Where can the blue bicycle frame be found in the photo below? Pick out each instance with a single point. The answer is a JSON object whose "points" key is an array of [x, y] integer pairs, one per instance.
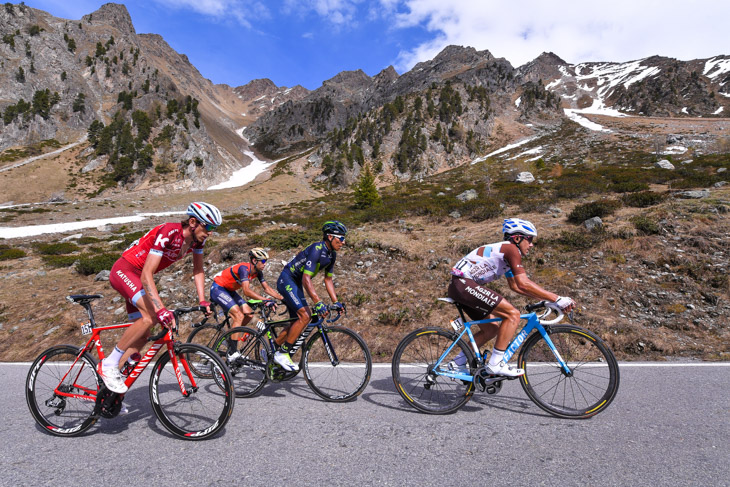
{"points": [[532, 324]]}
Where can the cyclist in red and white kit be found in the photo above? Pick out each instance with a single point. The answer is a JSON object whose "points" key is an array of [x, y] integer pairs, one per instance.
{"points": [[132, 276], [484, 265]]}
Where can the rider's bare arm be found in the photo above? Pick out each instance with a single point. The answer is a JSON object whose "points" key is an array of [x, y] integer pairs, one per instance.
{"points": [[271, 291], [522, 284], [309, 287], [330, 286]]}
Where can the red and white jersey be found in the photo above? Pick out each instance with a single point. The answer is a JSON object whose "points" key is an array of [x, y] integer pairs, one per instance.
{"points": [[165, 240], [489, 262]]}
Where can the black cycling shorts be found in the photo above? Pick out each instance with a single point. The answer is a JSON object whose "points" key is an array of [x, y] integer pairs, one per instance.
{"points": [[477, 300]]}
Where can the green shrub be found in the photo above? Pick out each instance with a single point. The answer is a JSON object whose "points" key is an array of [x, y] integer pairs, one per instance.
{"points": [[581, 239], [642, 199], [59, 260], [282, 239], [93, 264], [57, 248], [598, 208], [645, 225], [9, 253], [629, 187], [576, 185]]}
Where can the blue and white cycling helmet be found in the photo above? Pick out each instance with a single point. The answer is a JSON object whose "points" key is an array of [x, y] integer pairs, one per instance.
{"points": [[205, 213], [517, 226]]}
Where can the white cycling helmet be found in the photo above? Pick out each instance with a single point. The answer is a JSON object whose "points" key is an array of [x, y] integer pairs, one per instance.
{"points": [[512, 226], [205, 213]]}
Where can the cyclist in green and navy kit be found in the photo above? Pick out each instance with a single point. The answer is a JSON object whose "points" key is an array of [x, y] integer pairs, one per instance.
{"points": [[297, 277]]}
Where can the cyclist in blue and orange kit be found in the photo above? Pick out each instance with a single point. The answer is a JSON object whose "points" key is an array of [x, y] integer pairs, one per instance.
{"points": [[228, 281], [297, 277]]}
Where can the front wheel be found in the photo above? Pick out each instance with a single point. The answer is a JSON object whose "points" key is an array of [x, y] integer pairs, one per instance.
{"points": [[190, 406], [61, 390], [337, 364], [591, 384], [248, 368], [207, 336], [416, 371]]}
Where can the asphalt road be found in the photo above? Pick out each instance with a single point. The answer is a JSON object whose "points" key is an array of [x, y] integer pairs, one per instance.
{"points": [[669, 425]]}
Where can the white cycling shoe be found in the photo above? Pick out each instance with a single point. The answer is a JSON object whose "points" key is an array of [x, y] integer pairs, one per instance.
{"points": [[233, 356], [285, 361], [504, 370], [112, 377]]}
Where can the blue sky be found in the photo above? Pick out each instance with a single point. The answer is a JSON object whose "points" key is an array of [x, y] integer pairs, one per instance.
{"points": [[309, 41]]}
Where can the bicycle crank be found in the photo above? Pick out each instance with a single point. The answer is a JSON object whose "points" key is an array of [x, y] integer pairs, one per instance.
{"points": [[486, 382], [108, 403]]}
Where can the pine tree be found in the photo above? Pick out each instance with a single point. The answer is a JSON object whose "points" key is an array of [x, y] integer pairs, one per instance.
{"points": [[366, 193]]}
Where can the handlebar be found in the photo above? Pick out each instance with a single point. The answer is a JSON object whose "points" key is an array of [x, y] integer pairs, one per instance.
{"points": [[177, 313], [550, 308]]}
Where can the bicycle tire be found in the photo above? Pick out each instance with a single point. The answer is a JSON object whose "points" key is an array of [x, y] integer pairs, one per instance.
{"points": [[248, 372], [348, 378], [594, 378], [207, 336], [413, 376], [55, 369], [205, 408]]}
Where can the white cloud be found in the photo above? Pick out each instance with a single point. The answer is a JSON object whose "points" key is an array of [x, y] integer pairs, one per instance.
{"points": [[244, 12], [340, 13], [577, 31]]}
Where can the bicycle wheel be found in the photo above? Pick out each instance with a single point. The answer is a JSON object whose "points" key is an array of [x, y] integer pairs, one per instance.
{"points": [[344, 379], [592, 383], [206, 403], [248, 372], [206, 336], [413, 371], [61, 390]]}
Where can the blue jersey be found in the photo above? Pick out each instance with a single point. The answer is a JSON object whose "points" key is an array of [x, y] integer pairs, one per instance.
{"points": [[310, 261]]}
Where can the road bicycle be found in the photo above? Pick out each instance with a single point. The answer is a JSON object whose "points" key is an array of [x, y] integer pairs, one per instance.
{"points": [[208, 334], [336, 361], [66, 396], [569, 371]]}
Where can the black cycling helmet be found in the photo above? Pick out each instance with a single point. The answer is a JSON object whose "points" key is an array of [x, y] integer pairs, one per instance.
{"points": [[334, 228]]}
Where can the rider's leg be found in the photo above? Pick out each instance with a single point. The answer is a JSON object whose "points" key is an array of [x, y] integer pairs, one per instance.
{"points": [[135, 337], [510, 319], [292, 332]]}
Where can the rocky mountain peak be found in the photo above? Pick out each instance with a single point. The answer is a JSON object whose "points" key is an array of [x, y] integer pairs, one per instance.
{"points": [[113, 14], [544, 67], [350, 80], [255, 88], [388, 75]]}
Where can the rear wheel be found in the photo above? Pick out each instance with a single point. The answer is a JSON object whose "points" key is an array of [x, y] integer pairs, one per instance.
{"points": [[203, 405], [416, 376], [341, 373], [593, 380], [248, 371], [61, 390]]}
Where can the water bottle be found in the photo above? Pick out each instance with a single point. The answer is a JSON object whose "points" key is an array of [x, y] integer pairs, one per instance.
{"points": [[131, 363]]}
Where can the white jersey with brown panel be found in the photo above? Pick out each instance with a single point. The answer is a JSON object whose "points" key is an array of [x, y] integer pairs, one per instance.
{"points": [[490, 262]]}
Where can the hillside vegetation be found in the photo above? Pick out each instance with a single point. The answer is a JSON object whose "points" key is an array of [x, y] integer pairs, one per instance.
{"points": [[652, 281]]}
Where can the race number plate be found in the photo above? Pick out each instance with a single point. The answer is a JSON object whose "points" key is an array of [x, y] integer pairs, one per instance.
{"points": [[86, 329]]}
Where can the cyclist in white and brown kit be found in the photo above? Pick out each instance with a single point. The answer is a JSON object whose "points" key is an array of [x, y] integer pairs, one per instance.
{"points": [[484, 265]]}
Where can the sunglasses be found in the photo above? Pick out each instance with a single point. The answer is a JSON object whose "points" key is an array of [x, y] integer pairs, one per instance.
{"points": [[208, 227], [528, 238], [263, 261], [341, 238]]}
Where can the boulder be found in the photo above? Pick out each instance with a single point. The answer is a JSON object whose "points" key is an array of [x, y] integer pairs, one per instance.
{"points": [[102, 276], [693, 195], [592, 223], [664, 164], [467, 195], [525, 177]]}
